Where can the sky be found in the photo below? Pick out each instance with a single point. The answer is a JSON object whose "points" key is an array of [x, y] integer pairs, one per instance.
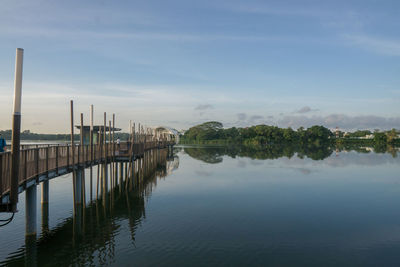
{"points": [[178, 63]]}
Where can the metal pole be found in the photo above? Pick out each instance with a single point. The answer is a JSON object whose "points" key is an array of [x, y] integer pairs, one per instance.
{"points": [[16, 128]]}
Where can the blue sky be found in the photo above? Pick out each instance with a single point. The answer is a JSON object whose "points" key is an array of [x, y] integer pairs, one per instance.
{"points": [[179, 63]]}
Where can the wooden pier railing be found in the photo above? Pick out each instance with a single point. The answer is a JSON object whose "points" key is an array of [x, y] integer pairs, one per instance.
{"points": [[41, 160]]}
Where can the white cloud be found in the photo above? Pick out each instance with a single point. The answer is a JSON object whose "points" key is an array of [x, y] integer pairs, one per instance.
{"points": [[342, 121], [305, 109], [378, 45]]}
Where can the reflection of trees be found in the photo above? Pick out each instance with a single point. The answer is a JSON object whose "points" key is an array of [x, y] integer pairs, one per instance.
{"points": [[214, 154], [316, 152], [376, 147], [91, 238]]}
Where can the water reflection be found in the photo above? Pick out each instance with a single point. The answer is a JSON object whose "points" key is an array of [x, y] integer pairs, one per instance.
{"points": [[214, 154], [89, 238]]}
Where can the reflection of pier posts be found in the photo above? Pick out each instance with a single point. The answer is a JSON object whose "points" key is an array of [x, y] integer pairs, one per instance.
{"points": [[78, 186], [105, 185], [105, 179], [30, 251], [77, 223], [133, 175], [126, 170], [45, 206], [45, 217], [30, 210], [121, 175]]}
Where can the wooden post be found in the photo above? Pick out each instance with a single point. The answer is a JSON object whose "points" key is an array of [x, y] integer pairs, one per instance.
{"points": [[57, 152], [83, 189], [25, 164], [91, 151], [79, 155], [81, 136], [73, 154], [37, 163], [104, 138], [67, 156], [111, 159], [16, 128], [47, 161], [130, 134], [104, 169], [113, 144]]}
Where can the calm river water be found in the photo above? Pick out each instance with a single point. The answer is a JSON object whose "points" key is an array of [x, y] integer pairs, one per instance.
{"points": [[228, 207]]}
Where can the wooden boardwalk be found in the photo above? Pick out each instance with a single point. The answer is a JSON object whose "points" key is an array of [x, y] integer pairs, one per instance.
{"points": [[42, 162]]}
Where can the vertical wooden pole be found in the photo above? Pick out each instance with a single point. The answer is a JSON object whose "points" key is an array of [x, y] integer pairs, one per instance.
{"points": [[68, 157], [110, 151], [16, 128], [47, 161], [26, 153], [83, 193], [104, 169], [91, 151], [57, 152], [37, 163], [104, 138], [139, 141], [73, 154], [130, 134], [113, 144], [133, 138]]}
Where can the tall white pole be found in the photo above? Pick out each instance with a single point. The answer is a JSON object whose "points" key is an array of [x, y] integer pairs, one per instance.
{"points": [[91, 117], [18, 81], [16, 129]]}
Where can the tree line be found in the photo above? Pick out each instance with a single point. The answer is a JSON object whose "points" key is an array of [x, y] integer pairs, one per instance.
{"points": [[213, 133]]}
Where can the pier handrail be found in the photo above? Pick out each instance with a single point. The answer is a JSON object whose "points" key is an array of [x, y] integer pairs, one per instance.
{"points": [[43, 159]]}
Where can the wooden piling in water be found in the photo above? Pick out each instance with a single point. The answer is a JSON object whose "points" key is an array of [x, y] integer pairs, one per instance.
{"points": [[91, 151], [104, 169], [110, 151], [73, 154], [83, 190]]}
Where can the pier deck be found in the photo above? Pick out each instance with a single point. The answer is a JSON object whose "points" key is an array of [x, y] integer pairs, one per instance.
{"points": [[39, 163]]}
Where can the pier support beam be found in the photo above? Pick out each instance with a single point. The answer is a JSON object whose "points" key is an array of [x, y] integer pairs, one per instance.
{"points": [[30, 210]]}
